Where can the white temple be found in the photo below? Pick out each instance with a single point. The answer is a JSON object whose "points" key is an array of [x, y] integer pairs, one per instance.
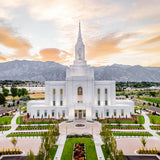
{"points": [[80, 96]]}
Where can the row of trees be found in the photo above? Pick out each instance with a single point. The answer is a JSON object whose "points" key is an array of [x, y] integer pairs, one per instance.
{"points": [[110, 144], [14, 92]]}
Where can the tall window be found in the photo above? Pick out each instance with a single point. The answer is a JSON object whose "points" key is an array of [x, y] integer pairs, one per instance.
{"points": [[52, 113], [115, 113], [106, 100], [122, 112], [54, 97], [96, 113], [38, 113], [98, 96], [45, 113], [63, 113], [107, 113], [61, 97], [80, 95]]}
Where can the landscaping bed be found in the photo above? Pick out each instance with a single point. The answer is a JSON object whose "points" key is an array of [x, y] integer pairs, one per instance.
{"points": [[5, 128], [79, 151], [32, 127], [89, 145], [8, 151], [25, 134], [148, 151], [131, 134], [126, 127], [155, 127], [20, 120], [80, 136]]}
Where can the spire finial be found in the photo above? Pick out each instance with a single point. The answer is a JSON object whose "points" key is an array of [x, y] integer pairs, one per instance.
{"points": [[79, 34]]}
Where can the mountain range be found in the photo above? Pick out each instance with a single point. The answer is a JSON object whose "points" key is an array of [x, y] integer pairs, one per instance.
{"points": [[52, 71]]}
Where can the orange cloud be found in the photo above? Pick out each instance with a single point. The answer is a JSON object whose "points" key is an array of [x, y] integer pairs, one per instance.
{"points": [[106, 46], [54, 54], [3, 58], [10, 40]]}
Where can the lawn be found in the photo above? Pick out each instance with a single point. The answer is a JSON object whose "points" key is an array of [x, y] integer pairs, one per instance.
{"points": [[5, 120], [19, 120], [153, 100], [141, 120], [54, 151], [25, 134], [132, 134], [68, 148], [154, 119], [104, 152]]}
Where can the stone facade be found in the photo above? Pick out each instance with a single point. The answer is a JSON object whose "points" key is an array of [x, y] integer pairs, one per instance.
{"points": [[80, 97]]}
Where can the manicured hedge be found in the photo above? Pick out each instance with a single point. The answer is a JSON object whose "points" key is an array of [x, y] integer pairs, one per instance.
{"points": [[80, 136], [32, 127], [125, 127], [132, 134], [5, 128]]}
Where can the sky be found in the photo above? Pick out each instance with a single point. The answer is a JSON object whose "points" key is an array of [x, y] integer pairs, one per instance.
{"points": [[114, 31]]}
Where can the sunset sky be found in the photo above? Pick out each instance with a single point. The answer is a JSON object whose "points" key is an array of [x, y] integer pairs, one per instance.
{"points": [[114, 31]]}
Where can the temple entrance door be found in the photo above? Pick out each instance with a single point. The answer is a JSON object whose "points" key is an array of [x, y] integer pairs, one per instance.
{"points": [[80, 114]]}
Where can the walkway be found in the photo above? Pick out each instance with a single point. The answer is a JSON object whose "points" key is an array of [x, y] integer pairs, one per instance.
{"points": [[147, 125], [13, 127]]}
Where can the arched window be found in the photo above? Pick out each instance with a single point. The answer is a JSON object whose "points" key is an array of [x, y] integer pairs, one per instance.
{"points": [[80, 95], [80, 91]]}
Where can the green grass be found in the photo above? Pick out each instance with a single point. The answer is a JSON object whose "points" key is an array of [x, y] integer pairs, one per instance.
{"points": [[123, 122], [126, 127], [5, 128], [19, 120], [104, 152], [158, 133], [141, 120], [154, 119], [31, 127], [25, 134], [153, 100], [5, 120], [54, 151], [155, 127], [131, 134], [89, 144]]}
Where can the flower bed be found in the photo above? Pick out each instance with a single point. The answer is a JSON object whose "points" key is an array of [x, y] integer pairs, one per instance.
{"points": [[132, 134], [6, 128], [155, 127], [32, 127], [80, 136], [79, 125], [9, 151], [148, 150], [79, 151]]}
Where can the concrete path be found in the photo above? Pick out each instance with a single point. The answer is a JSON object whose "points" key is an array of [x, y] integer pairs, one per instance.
{"points": [[13, 127], [147, 125], [60, 143], [98, 142]]}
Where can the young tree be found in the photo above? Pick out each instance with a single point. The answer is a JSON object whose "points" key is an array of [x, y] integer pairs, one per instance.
{"points": [[143, 140], [19, 92], [48, 140], [14, 142], [2, 99], [30, 156], [5, 92], [24, 91]]}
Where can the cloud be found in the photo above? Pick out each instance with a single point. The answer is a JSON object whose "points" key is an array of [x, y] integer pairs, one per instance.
{"points": [[106, 46], [9, 38], [54, 54], [2, 58]]}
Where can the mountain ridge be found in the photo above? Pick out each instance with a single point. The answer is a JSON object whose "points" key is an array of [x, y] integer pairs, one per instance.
{"points": [[52, 71]]}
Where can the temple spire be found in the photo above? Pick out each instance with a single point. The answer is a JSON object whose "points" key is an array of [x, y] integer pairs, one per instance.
{"points": [[79, 33]]}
